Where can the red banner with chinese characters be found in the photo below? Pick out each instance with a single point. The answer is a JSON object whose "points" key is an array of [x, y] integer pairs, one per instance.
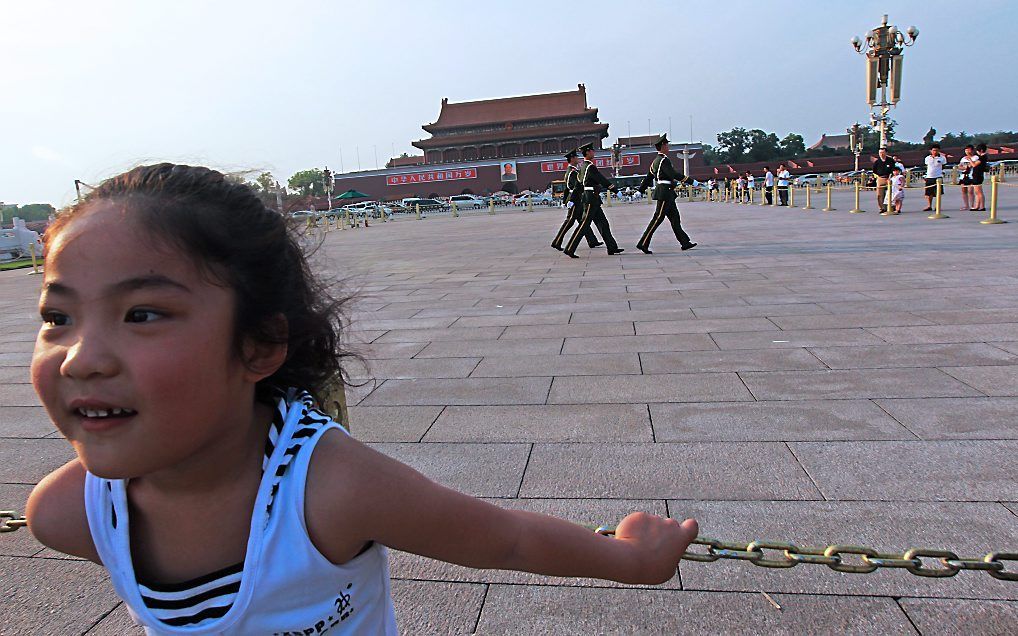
{"points": [[600, 162], [431, 176]]}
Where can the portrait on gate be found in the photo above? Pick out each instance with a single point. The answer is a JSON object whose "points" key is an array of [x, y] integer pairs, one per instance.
{"points": [[508, 169]]}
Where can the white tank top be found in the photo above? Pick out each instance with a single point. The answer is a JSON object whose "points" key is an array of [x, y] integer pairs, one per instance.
{"points": [[285, 585]]}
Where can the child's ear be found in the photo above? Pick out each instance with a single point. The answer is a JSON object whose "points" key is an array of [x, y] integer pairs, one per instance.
{"points": [[263, 358]]}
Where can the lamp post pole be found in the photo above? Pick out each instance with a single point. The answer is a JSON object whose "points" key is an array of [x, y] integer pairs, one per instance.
{"points": [[883, 47]]}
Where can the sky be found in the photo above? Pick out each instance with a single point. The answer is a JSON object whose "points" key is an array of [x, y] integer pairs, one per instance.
{"points": [[90, 89]]}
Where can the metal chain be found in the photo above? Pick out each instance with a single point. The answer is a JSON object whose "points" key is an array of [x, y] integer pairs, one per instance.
{"points": [[946, 563], [15, 522]]}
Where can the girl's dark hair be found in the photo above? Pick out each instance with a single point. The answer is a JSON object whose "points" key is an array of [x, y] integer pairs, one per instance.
{"points": [[232, 236]]}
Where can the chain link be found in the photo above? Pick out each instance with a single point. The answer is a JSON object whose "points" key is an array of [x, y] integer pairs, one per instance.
{"points": [[945, 563], [11, 521]]}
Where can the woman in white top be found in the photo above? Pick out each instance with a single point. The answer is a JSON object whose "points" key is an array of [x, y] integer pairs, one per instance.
{"points": [[783, 177]]}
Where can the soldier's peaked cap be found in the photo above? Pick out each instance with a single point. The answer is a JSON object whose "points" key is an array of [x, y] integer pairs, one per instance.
{"points": [[585, 147], [570, 154], [663, 139]]}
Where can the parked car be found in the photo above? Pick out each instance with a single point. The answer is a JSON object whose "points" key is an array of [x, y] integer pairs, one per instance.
{"points": [[536, 199], [467, 202], [425, 204], [850, 176], [813, 179]]}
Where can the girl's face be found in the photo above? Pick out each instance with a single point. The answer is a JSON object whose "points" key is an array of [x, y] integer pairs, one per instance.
{"points": [[134, 359]]}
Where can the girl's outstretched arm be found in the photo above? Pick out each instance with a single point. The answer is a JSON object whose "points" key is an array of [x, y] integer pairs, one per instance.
{"points": [[356, 494]]}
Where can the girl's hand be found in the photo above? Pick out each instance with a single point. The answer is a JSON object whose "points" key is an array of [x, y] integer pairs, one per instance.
{"points": [[657, 544]]}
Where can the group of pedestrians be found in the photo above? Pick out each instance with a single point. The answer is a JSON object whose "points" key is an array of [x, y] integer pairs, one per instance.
{"points": [[971, 172], [746, 183], [584, 184]]}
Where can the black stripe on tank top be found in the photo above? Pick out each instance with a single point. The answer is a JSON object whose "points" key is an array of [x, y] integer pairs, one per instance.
{"points": [[191, 601], [205, 614], [193, 583]]}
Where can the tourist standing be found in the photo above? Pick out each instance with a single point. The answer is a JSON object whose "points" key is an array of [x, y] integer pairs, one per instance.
{"points": [[769, 185], [965, 177], [883, 166], [665, 178], [978, 174], [592, 183], [897, 190], [572, 197], [934, 170], [750, 185], [783, 176]]}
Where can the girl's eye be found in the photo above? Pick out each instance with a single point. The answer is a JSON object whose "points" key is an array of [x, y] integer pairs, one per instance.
{"points": [[55, 319], [142, 315]]}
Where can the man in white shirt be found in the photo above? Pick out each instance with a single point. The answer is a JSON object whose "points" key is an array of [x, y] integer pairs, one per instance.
{"points": [[750, 183], [768, 185], [934, 170], [783, 177]]}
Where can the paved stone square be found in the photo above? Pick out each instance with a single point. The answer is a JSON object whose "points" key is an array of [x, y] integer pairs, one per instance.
{"points": [[804, 376]]}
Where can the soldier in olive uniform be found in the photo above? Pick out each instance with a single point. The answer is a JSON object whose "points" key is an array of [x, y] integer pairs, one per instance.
{"points": [[592, 183], [665, 178], [571, 199]]}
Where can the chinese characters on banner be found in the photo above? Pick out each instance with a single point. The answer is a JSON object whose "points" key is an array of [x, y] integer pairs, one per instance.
{"points": [[600, 162], [433, 175]]}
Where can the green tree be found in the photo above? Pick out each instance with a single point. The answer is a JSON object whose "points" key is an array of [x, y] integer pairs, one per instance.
{"points": [[265, 183], [762, 146], [792, 145], [733, 144], [305, 182], [30, 212]]}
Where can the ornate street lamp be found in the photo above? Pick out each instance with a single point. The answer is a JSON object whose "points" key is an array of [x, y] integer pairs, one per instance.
{"points": [[883, 48]]}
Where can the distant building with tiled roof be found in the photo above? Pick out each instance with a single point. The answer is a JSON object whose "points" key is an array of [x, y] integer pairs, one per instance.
{"points": [[831, 141], [510, 127]]}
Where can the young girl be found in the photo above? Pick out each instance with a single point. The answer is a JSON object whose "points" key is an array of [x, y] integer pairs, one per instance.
{"points": [[183, 349], [897, 193]]}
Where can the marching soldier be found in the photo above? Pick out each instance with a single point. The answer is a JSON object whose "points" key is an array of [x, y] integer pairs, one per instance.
{"points": [[666, 178], [571, 198], [592, 183]]}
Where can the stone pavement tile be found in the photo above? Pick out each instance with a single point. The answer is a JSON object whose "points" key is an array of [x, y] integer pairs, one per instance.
{"points": [[505, 321], [525, 332], [691, 300], [390, 351], [1012, 506], [957, 418], [363, 337], [1000, 380], [18, 346], [480, 470], [774, 421], [970, 530], [731, 360], [784, 298], [53, 596], [515, 609], [25, 421], [633, 344], [1010, 347], [762, 311], [843, 321], [997, 332], [854, 383], [466, 391], [505, 310], [418, 368], [18, 395], [762, 470], [391, 423], [20, 543], [969, 316], [117, 623], [15, 375], [683, 313], [956, 470], [556, 365], [666, 387], [404, 323], [437, 607], [485, 348], [798, 338], [455, 334], [962, 617], [26, 461], [574, 307], [706, 325], [590, 512], [546, 423], [929, 355]]}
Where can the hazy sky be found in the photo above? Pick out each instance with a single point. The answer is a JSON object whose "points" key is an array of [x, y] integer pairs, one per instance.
{"points": [[92, 88]]}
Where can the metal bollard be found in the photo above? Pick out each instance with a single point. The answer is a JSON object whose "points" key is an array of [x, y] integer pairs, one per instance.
{"points": [[418, 210], [791, 195], [455, 212], [829, 208], [809, 205], [993, 220], [607, 200], [774, 194], [491, 206], [890, 201], [856, 209], [35, 263], [936, 209], [530, 202]]}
